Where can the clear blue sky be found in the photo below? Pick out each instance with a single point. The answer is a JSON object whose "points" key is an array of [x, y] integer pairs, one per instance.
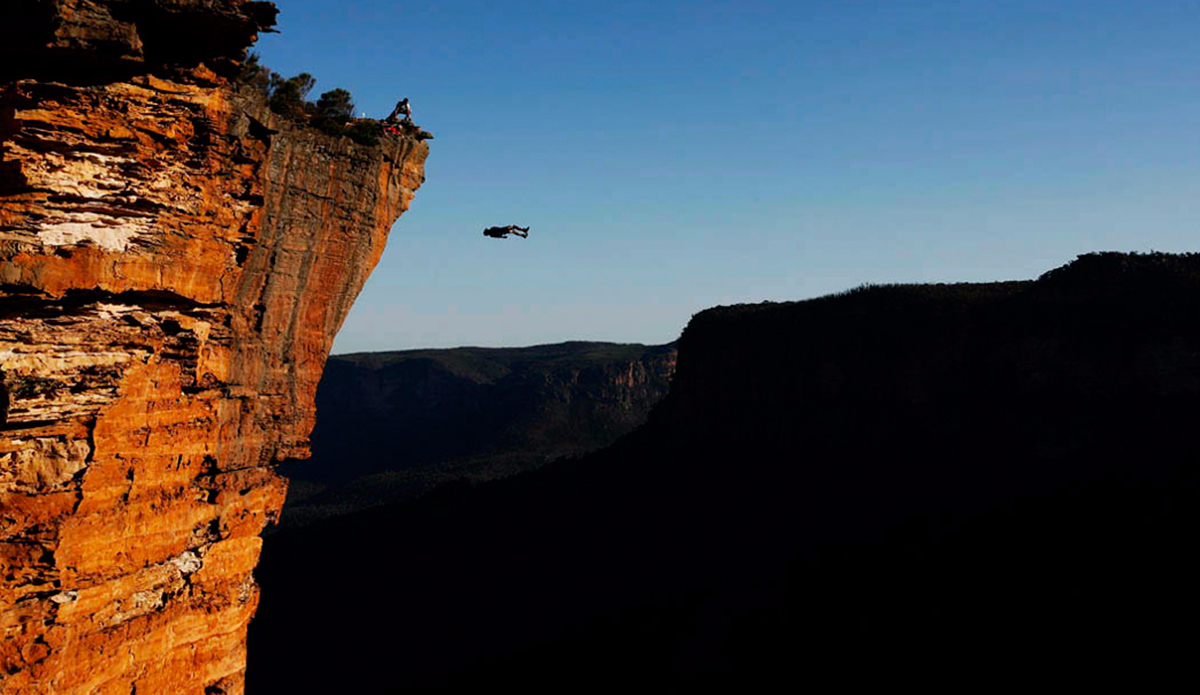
{"points": [[672, 156]]}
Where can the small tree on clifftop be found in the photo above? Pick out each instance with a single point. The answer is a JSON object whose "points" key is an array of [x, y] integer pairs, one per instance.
{"points": [[336, 105], [287, 96]]}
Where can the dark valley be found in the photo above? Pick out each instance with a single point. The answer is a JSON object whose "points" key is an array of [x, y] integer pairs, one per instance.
{"points": [[937, 482]]}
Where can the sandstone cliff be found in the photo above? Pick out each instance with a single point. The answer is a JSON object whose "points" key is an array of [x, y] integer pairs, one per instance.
{"points": [[174, 264]]}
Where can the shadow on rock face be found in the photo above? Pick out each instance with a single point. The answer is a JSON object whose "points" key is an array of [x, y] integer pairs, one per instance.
{"points": [[107, 40]]}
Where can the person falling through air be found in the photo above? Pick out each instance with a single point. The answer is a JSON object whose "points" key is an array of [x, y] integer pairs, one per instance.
{"points": [[503, 232]]}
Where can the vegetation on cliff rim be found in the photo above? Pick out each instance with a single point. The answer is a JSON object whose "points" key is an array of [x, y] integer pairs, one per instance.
{"points": [[332, 113]]}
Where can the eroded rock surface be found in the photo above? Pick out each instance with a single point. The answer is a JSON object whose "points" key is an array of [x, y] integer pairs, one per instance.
{"points": [[174, 264]]}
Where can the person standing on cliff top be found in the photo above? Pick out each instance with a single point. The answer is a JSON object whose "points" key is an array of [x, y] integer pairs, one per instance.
{"points": [[402, 108]]}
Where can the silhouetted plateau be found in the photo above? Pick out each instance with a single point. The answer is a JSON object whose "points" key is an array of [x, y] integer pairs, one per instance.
{"points": [[936, 485]]}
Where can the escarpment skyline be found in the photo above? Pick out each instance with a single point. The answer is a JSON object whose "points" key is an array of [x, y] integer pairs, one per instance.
{"points": [[174, 263]]}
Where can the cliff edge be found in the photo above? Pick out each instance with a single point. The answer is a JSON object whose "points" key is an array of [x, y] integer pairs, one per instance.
{"points": [[175, 261]]}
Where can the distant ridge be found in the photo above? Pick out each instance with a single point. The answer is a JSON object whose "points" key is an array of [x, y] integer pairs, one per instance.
{"points": [[392, 425]]}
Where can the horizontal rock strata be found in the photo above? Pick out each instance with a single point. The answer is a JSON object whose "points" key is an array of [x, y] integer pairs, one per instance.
{"points": [[174, 264]]}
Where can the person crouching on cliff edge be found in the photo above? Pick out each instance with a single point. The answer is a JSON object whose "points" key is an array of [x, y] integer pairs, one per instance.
{"points": [[403, 108]]}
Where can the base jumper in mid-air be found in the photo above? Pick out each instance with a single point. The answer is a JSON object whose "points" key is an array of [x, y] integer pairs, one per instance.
{"points": [[503, 232]]}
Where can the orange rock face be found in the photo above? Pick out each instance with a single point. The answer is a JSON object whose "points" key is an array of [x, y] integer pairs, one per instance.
{"points": [[174, 264]]}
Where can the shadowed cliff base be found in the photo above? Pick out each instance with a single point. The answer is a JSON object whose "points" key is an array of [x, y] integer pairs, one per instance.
{"points": [[894, 483]]}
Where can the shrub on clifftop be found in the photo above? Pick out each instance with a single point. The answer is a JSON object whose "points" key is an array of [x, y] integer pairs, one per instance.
{"points": [[336, 104], [288, 96], [332, 114]]}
